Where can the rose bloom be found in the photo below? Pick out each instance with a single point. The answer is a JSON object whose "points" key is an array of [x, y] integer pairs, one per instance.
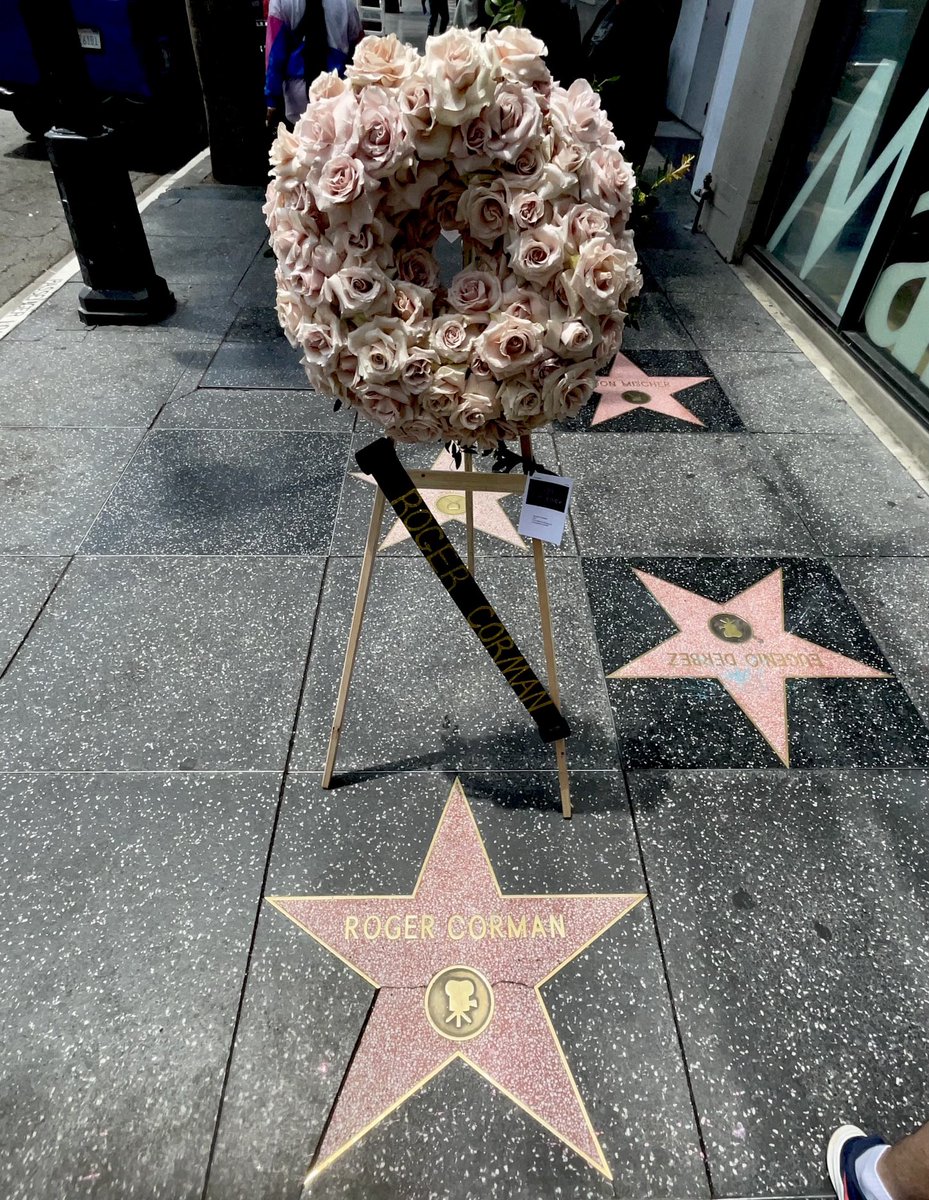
{"points": [[526, 170], [444, 396], [598, 278], [483, 210], [526, 303], [516, 55], [452, 338], [537, 254], [510, 344], [359, 289], [418, 266], [380, 347], [520, 401], [386, 404], [417, 372], [459, 68], [515, 120], [419, 428], [527, 209], [319, 339], [417, 111], [327, 128], [412, 304], [540, 371], [381, 141], [384, 61], [474, 292], [409, 187], [569, 155], [442, 202], [611, 335], [291, 312], [607, 181], [564, 392], [341, 180], [285, 163], [470, 145], [327, 85], [581, 222], [471, 414], [571, 336]]}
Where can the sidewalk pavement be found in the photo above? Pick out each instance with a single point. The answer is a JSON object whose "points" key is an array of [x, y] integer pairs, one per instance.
{"points": [[181, 529]]}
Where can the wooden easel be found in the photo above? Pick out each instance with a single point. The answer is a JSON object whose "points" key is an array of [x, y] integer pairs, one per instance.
{"points": [[469, 481]]}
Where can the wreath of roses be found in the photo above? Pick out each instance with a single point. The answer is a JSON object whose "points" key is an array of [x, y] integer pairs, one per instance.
{"points": [[472, 137]]}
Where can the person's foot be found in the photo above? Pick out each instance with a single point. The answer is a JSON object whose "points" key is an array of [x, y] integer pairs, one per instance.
{"points": [[846, 1147]]}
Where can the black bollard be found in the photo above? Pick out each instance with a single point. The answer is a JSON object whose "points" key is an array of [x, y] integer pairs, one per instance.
{"points": [[121, 286]]}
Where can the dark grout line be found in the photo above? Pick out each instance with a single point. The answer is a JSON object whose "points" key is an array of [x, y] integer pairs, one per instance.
{"points": [[35, 619], [285, 774]]}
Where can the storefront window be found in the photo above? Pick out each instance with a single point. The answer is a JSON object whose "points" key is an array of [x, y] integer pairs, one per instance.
{"points": [[861, 107]]}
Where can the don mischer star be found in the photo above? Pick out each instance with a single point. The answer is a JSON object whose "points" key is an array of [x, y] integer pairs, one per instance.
{"points": [[458, 927]]}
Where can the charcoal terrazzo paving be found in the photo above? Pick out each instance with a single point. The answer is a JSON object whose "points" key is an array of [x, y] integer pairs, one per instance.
{"points": [[25, 584], [694, 267], [495, 520], [659, 327], [199, 491], [257, 286], [124, 942], [723, 321], [53, 483], [706, 401], [228, 212], [459, 1136], [793, 917], [425, 693], [233, 408], [649, 493], [777, 392], [88, 379], [892, 594], [694, 723], [853, 495], [256, 365], [207, 270], [162, 664]]}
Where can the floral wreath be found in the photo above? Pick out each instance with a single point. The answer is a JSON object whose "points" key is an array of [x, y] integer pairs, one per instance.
{"points": [[475, 138]]}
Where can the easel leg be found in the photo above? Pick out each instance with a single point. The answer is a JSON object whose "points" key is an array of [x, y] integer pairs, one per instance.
{"points": [[545, 612], [354, 636], [469, 515]]}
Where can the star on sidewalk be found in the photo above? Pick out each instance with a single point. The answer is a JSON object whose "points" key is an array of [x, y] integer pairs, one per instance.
{"points": [[627, 388], [489, 514], [743, 644], [458, 967]]}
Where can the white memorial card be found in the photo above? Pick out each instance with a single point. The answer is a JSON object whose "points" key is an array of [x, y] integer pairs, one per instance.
{"points": [[545, 507]]}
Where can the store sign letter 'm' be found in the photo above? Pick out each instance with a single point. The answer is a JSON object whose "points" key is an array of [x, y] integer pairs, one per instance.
{"points": [[907, 340], [851, 144]]}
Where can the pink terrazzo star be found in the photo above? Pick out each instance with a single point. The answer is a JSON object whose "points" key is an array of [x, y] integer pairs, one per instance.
{"points": [[627, 388], [445, 505], [458, 968], [743, 644]]}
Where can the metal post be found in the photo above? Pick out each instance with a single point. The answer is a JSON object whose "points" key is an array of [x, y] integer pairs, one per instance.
{"points": [[121, 287]]}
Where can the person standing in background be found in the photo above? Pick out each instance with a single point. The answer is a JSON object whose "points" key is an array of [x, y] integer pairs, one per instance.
{"points": [[438, 12], [305, 38]]}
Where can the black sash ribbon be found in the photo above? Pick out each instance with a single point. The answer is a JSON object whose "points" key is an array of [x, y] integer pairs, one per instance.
{"points": [[381, 462]]}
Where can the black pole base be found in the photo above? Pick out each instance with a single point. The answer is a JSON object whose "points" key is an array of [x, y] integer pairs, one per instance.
{"points": [[109, 306]]}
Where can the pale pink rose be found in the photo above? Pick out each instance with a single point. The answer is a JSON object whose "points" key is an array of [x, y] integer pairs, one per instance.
{"points": [[380, 139], [564, 392], [525, 171], [418, 266], [285, 162], [412, 304], [598, 278], [292, 310], [588, 122], [327, 129], [327, 85], [554, 182], [510, 344], [420, 428], [383, 61], [494, 432], [417, 111], [526, 303], [459, 68], [452, 338], [470, 145], [341, 181], [515, 120], [572, 336], [611, 335], [517, 55], [520, 401], [444, 394], [320, 340], [358, 288], [387, 404], [581, 222], [607, 181], [540, 371], [469, 416], [474, 292], [569, 155], [478, 368], [417, 372], [482, 209], [442, 202], [380, 347], [410, 186], [537, 254], [345, 368], [527, 209]]}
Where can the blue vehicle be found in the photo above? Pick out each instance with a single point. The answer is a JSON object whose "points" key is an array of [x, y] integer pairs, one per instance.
{"points": [[139, 58]]}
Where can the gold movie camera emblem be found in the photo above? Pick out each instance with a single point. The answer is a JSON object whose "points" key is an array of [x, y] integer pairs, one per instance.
{"points": [[459, 1003]]}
